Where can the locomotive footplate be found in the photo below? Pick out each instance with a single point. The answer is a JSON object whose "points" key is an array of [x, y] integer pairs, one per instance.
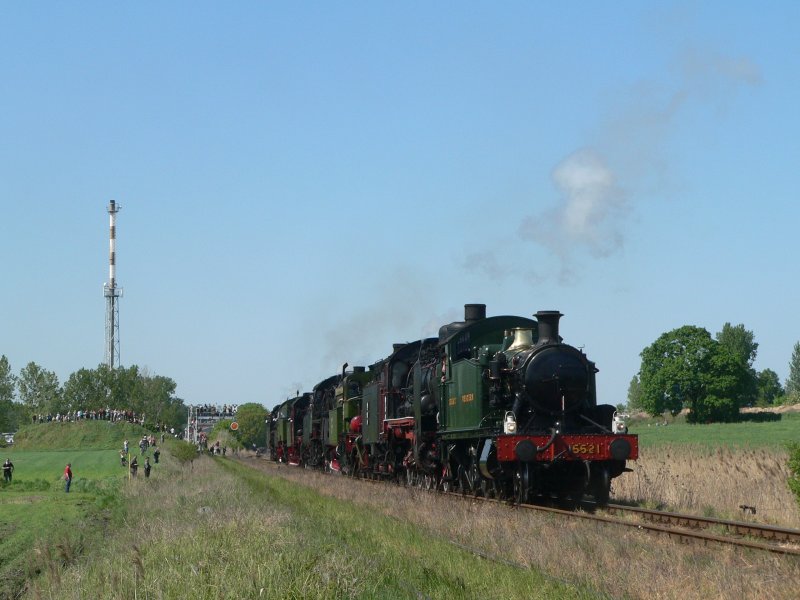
{"points": [[544, 448]]}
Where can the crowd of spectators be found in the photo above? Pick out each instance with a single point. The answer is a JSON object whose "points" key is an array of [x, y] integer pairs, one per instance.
{"points": [[209, 410], [104, 414]]}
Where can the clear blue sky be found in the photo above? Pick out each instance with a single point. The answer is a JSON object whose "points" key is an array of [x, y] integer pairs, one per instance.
{"points": [[303, 184]]}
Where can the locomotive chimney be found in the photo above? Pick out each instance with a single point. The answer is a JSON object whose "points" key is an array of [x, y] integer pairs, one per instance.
{"points": [[548, 326], [474, 312]]}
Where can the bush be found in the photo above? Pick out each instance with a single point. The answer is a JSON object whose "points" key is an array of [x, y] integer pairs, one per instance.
{"points": [[713, 409], [184, 451], [794, 468], [759, 417]]}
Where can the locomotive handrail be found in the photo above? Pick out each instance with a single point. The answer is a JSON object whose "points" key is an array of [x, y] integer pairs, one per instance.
{"points": [[549, 442]]}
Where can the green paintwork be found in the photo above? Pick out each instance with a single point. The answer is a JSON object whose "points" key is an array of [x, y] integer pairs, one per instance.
{"points": [[348, 405], [282, 427], [336, 425], [369, 423], [467, 400], [464, 400]]}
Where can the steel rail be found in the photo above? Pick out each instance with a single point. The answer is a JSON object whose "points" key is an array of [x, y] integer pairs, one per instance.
{"points": [[683, 535], [750, 529]]}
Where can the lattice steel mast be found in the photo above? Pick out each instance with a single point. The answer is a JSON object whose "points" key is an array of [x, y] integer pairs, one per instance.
{"points": [[112, 294]]}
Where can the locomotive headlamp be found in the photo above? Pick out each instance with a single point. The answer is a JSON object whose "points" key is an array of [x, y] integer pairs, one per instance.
{"points": [[510, 423]]}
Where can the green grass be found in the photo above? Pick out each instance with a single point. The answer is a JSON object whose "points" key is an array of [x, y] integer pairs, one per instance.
{"points": [[217, 529], [748, 434], [36, 516], [399, 560], [83, 434], [42, 465]]}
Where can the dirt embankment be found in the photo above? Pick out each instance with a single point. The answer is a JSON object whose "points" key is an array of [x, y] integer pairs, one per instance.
{"points": [[786, 408]]}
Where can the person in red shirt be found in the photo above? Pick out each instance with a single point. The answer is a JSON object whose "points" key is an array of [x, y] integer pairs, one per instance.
{"points": [[67, 477]]}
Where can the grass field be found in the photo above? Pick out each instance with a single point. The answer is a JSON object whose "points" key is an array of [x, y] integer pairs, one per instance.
{"points": [[714, 435], [714, 469], [36, 516], [217, 529]]}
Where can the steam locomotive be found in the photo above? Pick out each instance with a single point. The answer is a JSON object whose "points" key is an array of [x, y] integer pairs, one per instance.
{"points": [[495, 406]]}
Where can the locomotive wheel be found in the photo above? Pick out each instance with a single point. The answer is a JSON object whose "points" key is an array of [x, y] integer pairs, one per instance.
{"points": [[462, 480], [448, 485], [488, 488], [411, 477], [477, 482], [521, 484]]}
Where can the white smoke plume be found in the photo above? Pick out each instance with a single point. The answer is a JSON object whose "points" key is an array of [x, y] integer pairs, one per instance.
{"points": [[591, 205], [601, 184]]}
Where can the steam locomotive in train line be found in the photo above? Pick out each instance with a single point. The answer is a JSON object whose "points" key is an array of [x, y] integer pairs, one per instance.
{"points": [[495, 406]]}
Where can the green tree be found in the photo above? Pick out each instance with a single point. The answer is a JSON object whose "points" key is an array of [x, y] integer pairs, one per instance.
{"points": [[39, 389], [86, 389], [222, 431], [8, 383], [155, 394], [174, 414], [685, 367], [741, 344], [126, 389], [793, 383], [251, 418], [769, 387], [635, 394]]}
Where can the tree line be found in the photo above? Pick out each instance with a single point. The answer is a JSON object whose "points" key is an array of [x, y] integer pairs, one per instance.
{"points": [[713, 377], [36, 391]]}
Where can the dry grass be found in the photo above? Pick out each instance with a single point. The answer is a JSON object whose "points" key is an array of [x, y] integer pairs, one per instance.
{"points": [[216, 530], [205, 532], [716, 482], [623, 564]]}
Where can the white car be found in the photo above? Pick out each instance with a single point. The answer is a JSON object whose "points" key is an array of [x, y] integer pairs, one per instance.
{"points": [[9, 438]]}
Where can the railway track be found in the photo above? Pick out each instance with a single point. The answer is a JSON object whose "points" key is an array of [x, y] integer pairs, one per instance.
{"points": [[681, 527], [684, 528], [760, 531]]}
